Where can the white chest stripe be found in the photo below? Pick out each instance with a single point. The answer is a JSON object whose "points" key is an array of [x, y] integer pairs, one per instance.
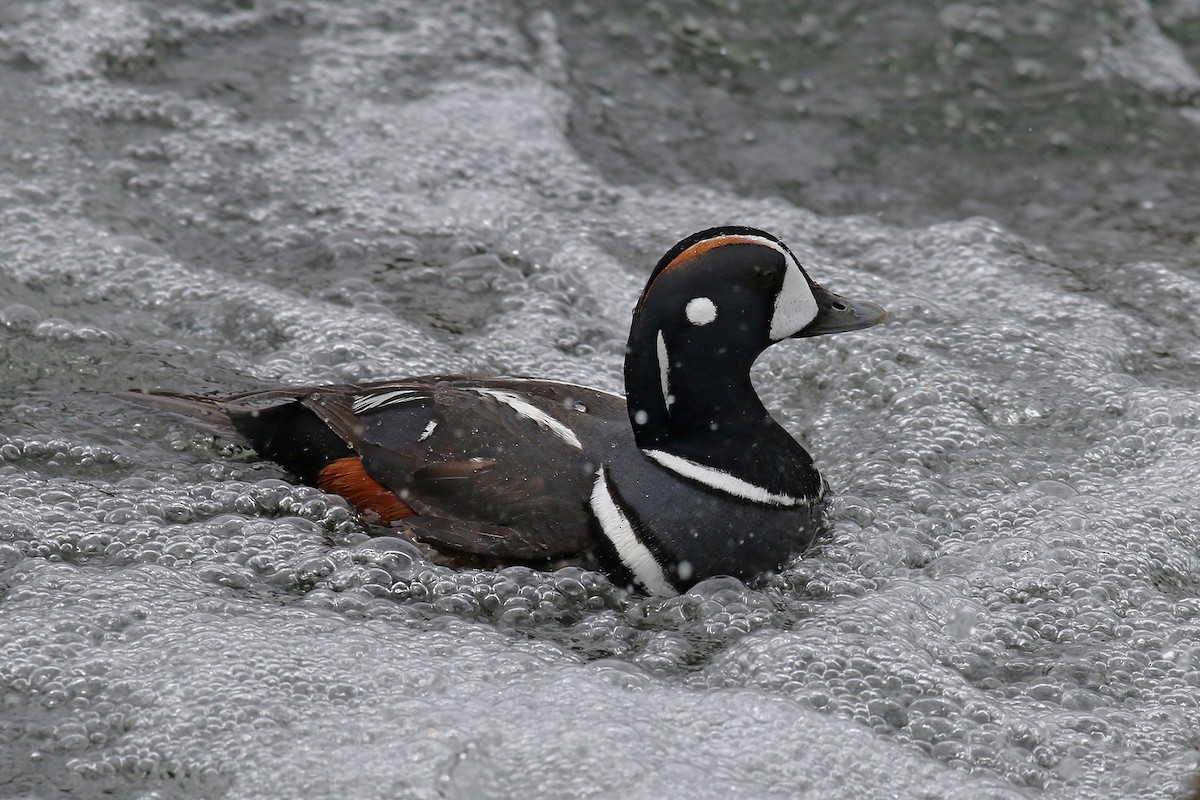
{"points": [[634, 555], [532, 412], [722, 481]]}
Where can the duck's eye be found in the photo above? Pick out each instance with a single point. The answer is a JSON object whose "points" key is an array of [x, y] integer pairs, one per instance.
{"points": [[766, 278]]}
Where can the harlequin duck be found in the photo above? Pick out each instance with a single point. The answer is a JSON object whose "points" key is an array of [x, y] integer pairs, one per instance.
{"points": [[686, 477]]}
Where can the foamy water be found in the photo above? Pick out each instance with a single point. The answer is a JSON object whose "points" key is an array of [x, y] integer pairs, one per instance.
{"points": [[215, 200]]}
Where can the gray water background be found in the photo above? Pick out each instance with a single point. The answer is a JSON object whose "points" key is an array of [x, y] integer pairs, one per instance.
{"points": [[216, 196]]}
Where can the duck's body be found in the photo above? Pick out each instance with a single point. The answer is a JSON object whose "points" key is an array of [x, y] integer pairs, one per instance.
{"points": [[689, 479]]}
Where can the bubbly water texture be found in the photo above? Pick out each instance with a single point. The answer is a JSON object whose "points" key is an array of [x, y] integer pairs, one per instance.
{"points": [[1005, 607]]}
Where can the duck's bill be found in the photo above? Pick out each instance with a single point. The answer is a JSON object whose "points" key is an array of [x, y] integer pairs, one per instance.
{"points": [[836, 314]]}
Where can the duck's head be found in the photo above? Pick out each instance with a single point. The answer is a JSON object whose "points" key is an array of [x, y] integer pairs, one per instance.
{"points": [[713, 303], [751, 279]]}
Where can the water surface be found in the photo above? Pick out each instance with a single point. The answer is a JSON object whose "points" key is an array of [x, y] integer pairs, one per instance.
{"points": [[223, 195]]}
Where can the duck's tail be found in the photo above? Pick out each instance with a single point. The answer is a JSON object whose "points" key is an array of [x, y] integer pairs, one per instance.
{"points": [[201, 413]]}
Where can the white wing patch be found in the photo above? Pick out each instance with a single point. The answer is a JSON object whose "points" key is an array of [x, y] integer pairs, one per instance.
{"points": [[532, 412], [723, 481], [371, 402], [633, 554]]}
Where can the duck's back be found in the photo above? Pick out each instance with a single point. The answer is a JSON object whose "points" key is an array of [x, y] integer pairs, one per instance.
{"points": [[489, 469]]}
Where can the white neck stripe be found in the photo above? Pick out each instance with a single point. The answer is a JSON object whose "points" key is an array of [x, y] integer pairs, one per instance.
{"points": [[532, 412], [722, 481], [633, 554]]}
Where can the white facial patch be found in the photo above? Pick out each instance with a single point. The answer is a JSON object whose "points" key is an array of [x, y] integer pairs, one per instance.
{"points": [[795, 306], [664, 371], [701, 311], [633, 554]]}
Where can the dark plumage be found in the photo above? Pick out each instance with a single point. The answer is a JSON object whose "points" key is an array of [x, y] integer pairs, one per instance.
{"points": [[692, 478]]}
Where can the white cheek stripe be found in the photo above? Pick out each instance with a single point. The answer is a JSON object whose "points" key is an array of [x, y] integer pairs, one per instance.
{"points": [[722, 481], [634, 555], [532, 412], [664, 370], [374, 401]]}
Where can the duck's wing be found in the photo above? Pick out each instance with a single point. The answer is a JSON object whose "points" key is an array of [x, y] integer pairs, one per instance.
{"points": [[498, 468], [488, 466]]}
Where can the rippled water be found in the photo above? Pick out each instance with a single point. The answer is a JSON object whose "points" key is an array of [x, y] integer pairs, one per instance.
{"points": [[221, 195]]}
